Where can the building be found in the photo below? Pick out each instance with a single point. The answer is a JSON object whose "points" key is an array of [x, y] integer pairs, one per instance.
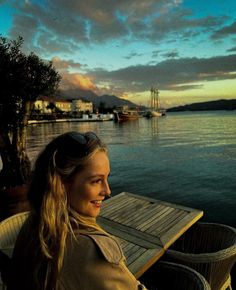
{"points": [[42, 104], [46, 105], [63, 105], [82, 106]]}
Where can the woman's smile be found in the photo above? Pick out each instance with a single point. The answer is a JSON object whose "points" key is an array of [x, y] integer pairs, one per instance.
{"points": [[90, 186]]}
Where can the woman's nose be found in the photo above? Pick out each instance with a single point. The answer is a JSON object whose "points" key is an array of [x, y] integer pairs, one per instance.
{"points": [[106, 188]]}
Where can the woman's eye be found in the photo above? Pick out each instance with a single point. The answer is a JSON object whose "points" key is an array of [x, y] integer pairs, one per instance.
{"points": [[97, 181]]}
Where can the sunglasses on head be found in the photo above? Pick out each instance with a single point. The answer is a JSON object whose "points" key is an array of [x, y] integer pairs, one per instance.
{"points": [[83, 138], [72, 148]]}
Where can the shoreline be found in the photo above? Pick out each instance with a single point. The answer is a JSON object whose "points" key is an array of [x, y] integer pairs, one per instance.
{"points": [[104, 118]]}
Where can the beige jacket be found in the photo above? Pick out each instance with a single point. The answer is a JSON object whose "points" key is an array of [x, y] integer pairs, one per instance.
{"points": [[96, 262], [92, 261]]}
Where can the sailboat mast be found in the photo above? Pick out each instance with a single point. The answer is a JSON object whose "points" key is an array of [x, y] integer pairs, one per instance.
{"points": [[155, 108], [152, 98], [155, 102], [157, 99]]}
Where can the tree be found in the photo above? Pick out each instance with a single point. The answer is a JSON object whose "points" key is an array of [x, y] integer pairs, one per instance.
{"points": [[56, 112], [101, 107], [23, 78]]}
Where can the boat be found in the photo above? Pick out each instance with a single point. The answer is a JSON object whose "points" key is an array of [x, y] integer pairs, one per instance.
{"points": [[125, 114], [155, 110], [152, 113]]}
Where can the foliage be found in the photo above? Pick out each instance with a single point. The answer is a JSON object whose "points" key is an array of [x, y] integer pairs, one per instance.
{"points": [[23, 78], [51, 106], [104, 109]]}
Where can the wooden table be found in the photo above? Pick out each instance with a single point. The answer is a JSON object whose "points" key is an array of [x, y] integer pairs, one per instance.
{"points": [[145, 227]]}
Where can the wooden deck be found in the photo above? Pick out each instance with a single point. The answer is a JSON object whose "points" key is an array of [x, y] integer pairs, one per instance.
{"points": [[145, 227]]}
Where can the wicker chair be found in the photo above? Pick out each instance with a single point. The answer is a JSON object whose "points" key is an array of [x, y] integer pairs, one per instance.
{"points": [[9, 229], [208, 248], [168, 276]]}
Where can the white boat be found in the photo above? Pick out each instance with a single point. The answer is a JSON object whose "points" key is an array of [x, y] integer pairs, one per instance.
{"points": [[155, 110], [156, 114]]}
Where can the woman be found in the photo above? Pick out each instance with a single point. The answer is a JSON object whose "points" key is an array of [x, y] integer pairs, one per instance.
{"points": [[61, 246]]}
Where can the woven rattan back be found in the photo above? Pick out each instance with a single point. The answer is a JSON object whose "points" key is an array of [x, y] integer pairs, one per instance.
{"points": [[167, 276], [9, 229], [210, 249]]}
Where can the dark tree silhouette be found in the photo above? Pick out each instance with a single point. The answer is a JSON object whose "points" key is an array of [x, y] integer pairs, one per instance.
{"points": [[23, 78]]}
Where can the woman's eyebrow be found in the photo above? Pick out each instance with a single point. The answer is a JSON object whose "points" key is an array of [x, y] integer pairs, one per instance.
{"points": [[97, 175]]}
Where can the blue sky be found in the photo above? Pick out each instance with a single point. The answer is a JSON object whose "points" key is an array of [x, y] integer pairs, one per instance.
{"points": [[185, 48]]}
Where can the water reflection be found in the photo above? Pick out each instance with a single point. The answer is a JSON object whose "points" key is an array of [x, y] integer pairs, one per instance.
{"points": [[187, 158]]}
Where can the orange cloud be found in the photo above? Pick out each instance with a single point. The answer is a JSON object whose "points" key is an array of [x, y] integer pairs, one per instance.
{"points": [[64, 65], [77, 80], [125, 96]]}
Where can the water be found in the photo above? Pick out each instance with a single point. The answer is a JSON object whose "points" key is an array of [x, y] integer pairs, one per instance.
{"points": [[185, 158]]}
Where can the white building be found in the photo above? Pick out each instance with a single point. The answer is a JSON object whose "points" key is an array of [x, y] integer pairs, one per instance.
{"points": [[82, 106], [42, 103], [63, 105]]}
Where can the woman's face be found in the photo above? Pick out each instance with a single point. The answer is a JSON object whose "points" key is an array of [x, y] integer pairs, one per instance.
{"points": [[90, 186]]}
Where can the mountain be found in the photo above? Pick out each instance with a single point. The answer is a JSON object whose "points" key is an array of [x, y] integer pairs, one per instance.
{"points": [[111, 101], [108, 101], [72, 94], [206, 106]]}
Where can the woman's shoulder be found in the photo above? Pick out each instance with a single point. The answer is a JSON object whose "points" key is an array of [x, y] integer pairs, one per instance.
{"points": [[109, 247], [100, 244]]}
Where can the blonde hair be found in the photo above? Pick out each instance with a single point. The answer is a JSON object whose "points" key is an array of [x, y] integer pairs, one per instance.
{"points": [[60, 161]]}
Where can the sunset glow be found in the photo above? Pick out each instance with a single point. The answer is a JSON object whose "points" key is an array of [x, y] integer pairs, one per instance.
{"points": [[185, 48]]}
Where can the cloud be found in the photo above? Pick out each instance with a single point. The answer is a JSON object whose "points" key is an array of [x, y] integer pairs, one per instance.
{"points": [[169, 74], [26, 27], [155, 53], [52, 27], [47, 43], [232, 49], [64, 65], [78, 81], [68, 28], [185, 87], [62, 26], [179, 23], [132, 55], [171, 54], [225, 31]]}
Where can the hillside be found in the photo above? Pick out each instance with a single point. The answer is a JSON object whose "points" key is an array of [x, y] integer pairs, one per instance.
{"points": [[206, 106], [109, 101]]}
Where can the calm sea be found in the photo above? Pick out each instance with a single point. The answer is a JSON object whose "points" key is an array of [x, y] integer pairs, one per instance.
{"points": [[186, 158]]}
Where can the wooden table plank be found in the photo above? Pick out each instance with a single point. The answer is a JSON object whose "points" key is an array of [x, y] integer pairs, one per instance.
{"points": [[171, 223], [145, 227], [145, 216], [145, 261], [128, 233], [127, 211], [170, 236], [163, 222], [142, 216], [135, 254], [117, 204], [138, 258]]}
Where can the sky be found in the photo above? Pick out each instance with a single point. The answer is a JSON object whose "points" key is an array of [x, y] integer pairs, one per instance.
{"points": [[185, 48]]}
